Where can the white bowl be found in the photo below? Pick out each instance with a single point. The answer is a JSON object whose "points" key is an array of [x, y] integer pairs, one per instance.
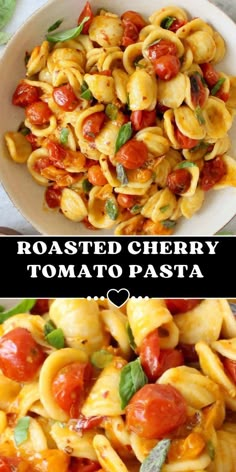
{"points": [[219, 206]]}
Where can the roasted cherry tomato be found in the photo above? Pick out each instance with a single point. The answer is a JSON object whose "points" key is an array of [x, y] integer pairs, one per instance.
{"points": [[25, 95], [222, 95], [149, 353], [40, 307], [92, 125], [210, 75], [53, 196], [38, 113], [199, 93], [179, 180], [212, 172], [87, 11], [32, 140], [230, 368], [125, 201], [167, 67], [10, 464], [156, 410], [20, 355], [96, 176], [56, 153], [83, 465], [130, 35], [70, 385], [168, 358], [132, 154], [41, 164], [184, 141], [176, 25], [135, 18], [65, 97], [85, 424], [162, 48], [142, 119], [181, 305]]}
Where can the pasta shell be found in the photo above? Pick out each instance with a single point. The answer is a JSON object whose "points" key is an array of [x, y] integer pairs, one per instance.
{"points": [[72, 205], [171, 93], [142, 91], [225, 347], [107, 456], [229, 179], [188, 124], [218, 120], [191, 204], [202, 45], [160, 206], [121, 79], [160, 33], [34, 156], [106, 30], [158, 16], [18, 146], [131, 226], [97, 214], [38, 59], [73, 443], [102, 87], [106, 139], [156, 143]]}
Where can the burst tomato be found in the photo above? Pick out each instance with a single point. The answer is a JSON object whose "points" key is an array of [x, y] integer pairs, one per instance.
{"points": [[87, 11], [135, 18], [32, 140], [168, 358], [176, 25], [132, 154], [96, 176], [142, 119], [162, 48], [25, 95], [92, 125], [65, 97], [179, 180], [53, 196], [125, 201], [130, 35], [149, 353], [210, 75], [199, 92], [181, 305], [38, 113], [184, 141], [167, 67], [56, 153], [212, 172]]}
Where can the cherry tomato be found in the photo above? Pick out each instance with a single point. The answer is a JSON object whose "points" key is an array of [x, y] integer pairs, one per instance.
{"points": [[53, 196], [69, 387], [125, 201], [212, 172], [156, 410], [130, 35], [85, 424], [20, 355], [230, 367], [38, 113], [65, 97], [92, 125], [9, 464], [176, 25], [167, 67], [199, 93], [135, 18], [96, 176], [179, 180], [87, 11], [210, 75], [41, 164], [189, 352], [56, 153], [83, 465], [168, 358], [162, 48], [181, 305], [149, 355], [184, 141], [132, 154], [142, 119], [222, 95], [40, 307], [32, 140], [25, 95]]}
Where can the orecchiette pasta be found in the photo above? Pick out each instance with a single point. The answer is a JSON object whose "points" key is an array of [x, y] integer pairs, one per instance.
{"points": [[125, 94]]}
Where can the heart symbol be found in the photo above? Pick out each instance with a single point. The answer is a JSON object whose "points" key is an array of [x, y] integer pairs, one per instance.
{"points": [[118, 297]]}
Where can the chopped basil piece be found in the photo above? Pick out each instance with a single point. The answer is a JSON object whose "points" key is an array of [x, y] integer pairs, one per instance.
{"points": [[136, 62], [211, 450], [4, 37], [121, 174], [199, 115], [86, 186], [23, 129], [125, 133], [156, 458], [101, 359], [184, 164], [6, 11], [21, 430], [23, 307], [168, 223], [131, 338], [49, 327], [200, 145], [217, 86], [111, 111], [55, 25], [164, 208], [64, 135], [68, 34], [167, 22], [85, 93], [111, 208], [136, 209], [132, 378], [56, 338]]}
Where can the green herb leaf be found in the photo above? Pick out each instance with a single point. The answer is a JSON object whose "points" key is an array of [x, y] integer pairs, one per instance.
{"points": [[56, 338], [136, 62], [68, 34], [55, 25], [121, 174], [200, 145], [217, 86], [167, 22], [135, 209], [131, 337], [132, 378], [111, 111], [185, 164], [155, 460], [23, 307], [2, 308], [86, 186], [168, 223], [64, 135], [211, 450], [21, 430], [85, 93], [4, 37], [164, 208], [49, 327], [125, 133], [23, 129], [111, 208], [199, 115], [7, 8], [101, 359]]}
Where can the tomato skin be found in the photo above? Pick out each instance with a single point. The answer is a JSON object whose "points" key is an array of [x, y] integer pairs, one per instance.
{"points": [[179, 180], [156, 410], [184, 141], [65, 97], [53, 196], [38, 113], [96, 176], [135, 18], [230, 368], [87, 11], [40, 307], [56, 153], [199, 93], [125, 201], [132, 154], [181, 305], [83, 465], [32, 140], [189, 352], [20, 355], [222, 95], [163, 48], [8, 464], [86, 424], [212, 172], [92, 125], [149, 353], [210, 75], [130, 35], [176, 25], [167, 67], [142, 119], [69, 387], [25, 95], [169, 358]]}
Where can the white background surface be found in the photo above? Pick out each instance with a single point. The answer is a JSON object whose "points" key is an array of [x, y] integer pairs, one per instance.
{"points": [[9, 216]]}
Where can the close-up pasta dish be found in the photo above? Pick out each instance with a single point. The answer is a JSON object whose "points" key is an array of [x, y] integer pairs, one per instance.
{"points": [[85, 386], [126, 119]]}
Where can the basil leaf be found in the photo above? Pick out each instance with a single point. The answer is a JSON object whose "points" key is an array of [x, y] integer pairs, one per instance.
{"points": [[111, 111], [7, 8], [23, 307], [200, 145], [68, 34], [135, 209], [155, 460], [199, 115], [55, 25], [167, 22], [64, 135], [86, 186], [211, 450], [85, 93], [168, 223], [4, 37], [125, 133], [132, 378], [121, 174], [137, 61], [111, 208], [21, 430], [49, 327], [23, 129], [131, 338], [217, 86], [184, 164], [56, 338], [164, 208], [101, 359]]}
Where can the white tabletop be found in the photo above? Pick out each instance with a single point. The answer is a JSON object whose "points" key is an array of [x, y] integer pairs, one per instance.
{"points": [[9, 215]]}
